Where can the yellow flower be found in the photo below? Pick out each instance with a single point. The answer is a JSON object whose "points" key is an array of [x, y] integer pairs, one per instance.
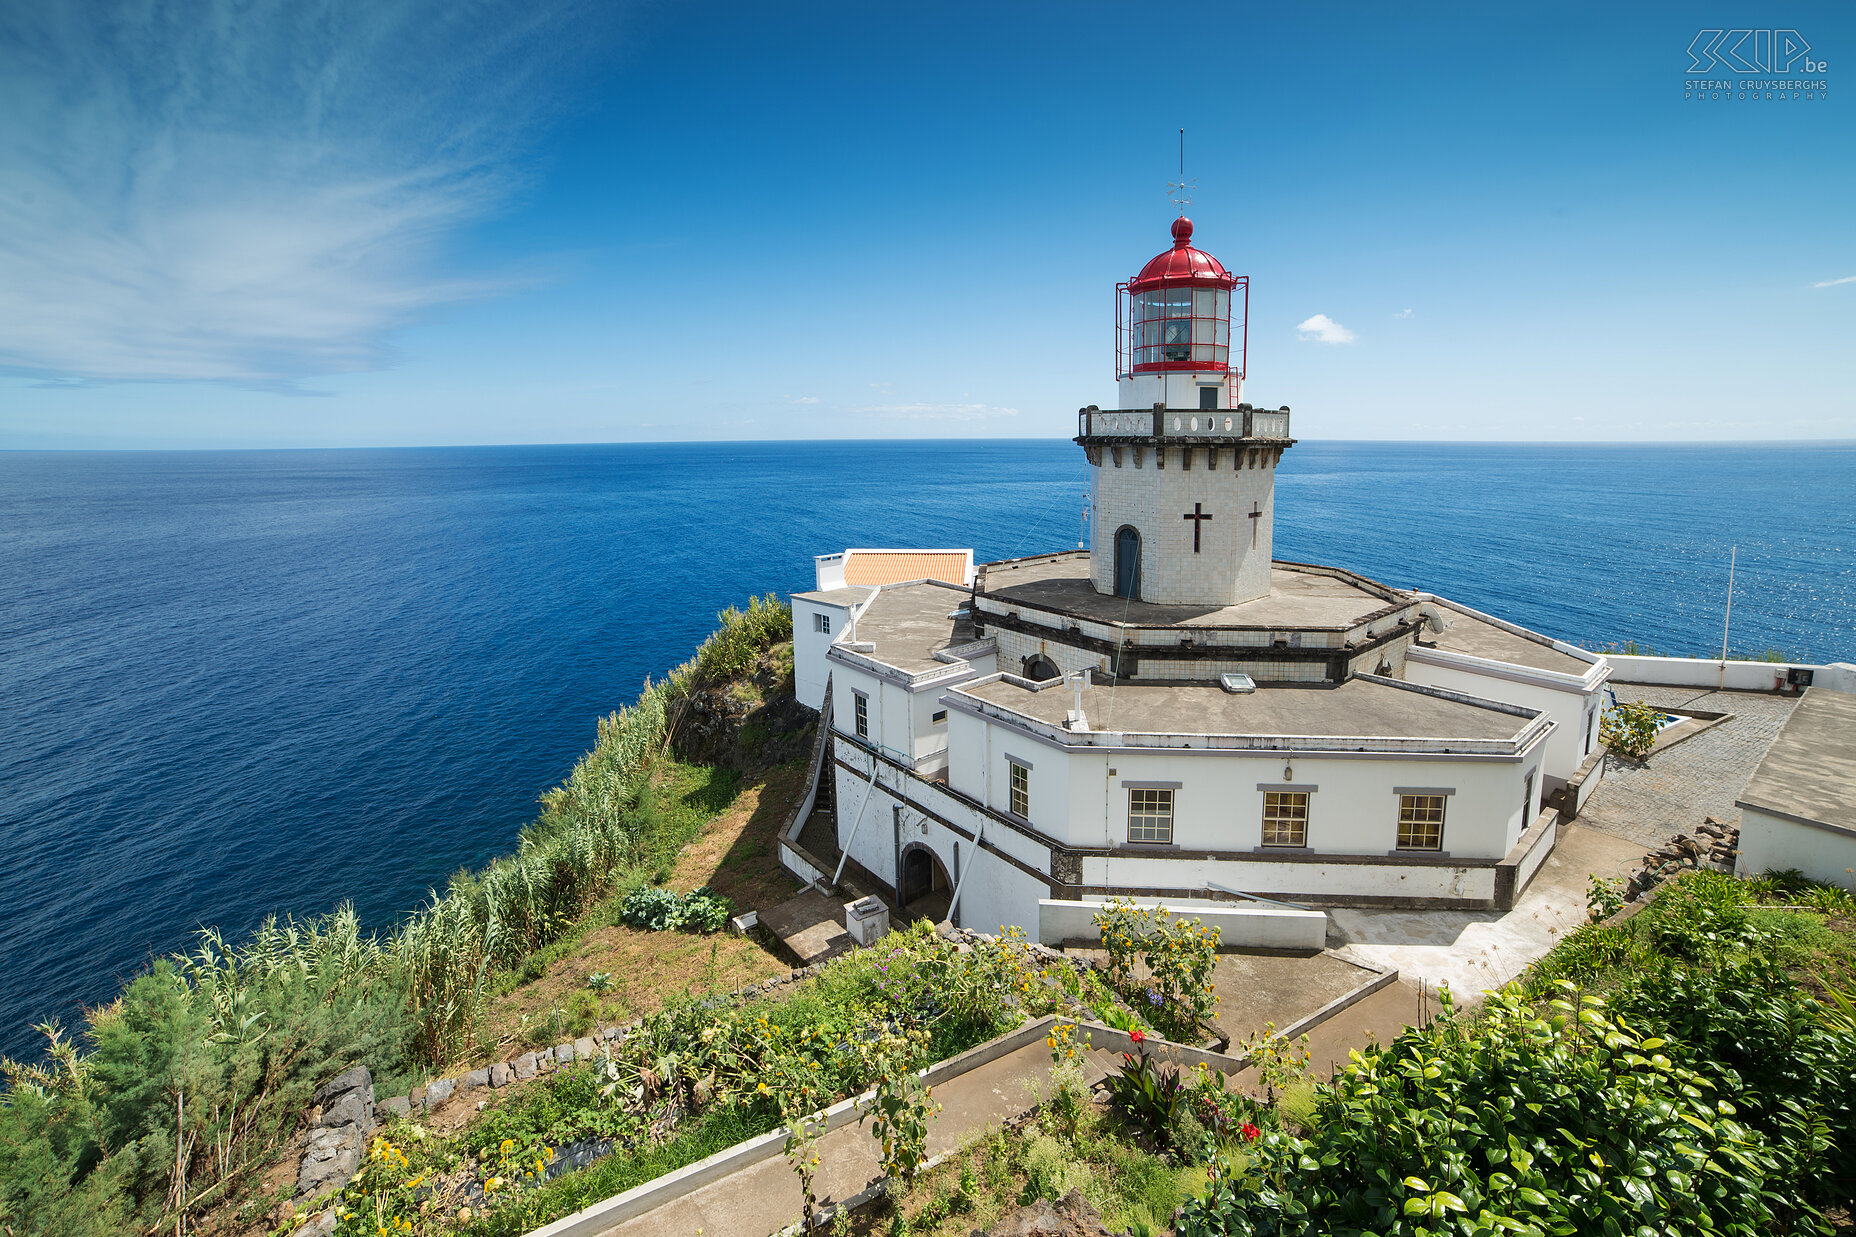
{"points": [[762, 1088]]}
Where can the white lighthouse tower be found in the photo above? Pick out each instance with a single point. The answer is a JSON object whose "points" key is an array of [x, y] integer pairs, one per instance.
{"points": [[1182, 475]]}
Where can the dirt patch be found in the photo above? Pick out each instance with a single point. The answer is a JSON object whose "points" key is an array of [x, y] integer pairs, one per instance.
{"points": [[737, 855]]}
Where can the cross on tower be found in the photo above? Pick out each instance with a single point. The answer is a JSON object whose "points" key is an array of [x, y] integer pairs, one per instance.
{"points": [[1256, 513], [1198, 515]]}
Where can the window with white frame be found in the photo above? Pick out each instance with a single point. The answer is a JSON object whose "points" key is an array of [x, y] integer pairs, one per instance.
{"points": [[822, 622], [1285, 818], [1020, 778], [861, 703], [1150, 814], [1421, 822]]}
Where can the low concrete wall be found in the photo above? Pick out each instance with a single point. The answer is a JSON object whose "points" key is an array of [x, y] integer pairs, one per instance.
{"points": [[1528, 854], [1822, 852], [1247, 926], [1746, 676]]}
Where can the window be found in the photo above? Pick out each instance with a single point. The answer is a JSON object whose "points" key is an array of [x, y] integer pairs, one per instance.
{"points": [[1150, 815], [1420, 822], [939, 718], [1208, 397], [1285, 818], [1021, 789], [862, 703], [822, 622], [1527, 799]]}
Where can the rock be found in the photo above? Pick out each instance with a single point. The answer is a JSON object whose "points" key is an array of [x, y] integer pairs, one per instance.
{"points": [[438, 1092], [396, 1106], [563, 1052], [350, 1109], [417, 1098], [499, 1074], [583, 1049], [476, 1078], [1071, 1216], [348, 1080], [611, 1033], [524, 1066]]}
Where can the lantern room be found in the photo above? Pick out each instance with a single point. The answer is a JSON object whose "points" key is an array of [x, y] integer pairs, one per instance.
{"points": [[1176, 342]]}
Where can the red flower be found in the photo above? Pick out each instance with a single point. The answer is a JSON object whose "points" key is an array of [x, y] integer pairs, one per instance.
{"points": [[1249, 1131], [1138, 1036]]}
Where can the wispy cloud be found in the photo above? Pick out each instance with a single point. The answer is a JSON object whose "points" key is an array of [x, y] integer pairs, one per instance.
{"points": [[1403, 313], [940, 412], [250, 192], [802, 399], [1831, 283], [1324, 329]]}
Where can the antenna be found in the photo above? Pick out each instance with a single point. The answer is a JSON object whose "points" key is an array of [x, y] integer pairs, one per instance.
{"points": [[1178, 190], [1727, 622]]}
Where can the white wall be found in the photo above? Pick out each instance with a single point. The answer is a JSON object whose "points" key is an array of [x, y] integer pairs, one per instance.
{"points": [[810, 669], [1174, 388], [1772, 842], [1353, 809], [1566, 747], [1752, 676], [1248, 926], [1322, 880], [891, 710]]}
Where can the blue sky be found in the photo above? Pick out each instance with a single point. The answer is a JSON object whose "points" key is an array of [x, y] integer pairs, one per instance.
{"points": [[407, 222]]}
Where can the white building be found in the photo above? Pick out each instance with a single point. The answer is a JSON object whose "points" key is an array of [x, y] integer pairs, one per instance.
{"points": [[1171, 714]]}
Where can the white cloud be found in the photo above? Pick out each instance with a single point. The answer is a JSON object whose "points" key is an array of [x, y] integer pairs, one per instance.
{"points": [[939, 412], [802, 399], [1831, 283], [1324, 329], [249, 192], [1403, 313]]}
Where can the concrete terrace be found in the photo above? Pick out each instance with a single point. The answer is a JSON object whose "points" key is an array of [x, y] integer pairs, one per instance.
{"points": [[1475, 637], [1357, 707], [910, 623], [1300, 597]]}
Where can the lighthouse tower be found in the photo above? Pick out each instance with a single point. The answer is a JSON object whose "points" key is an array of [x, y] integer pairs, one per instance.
{"points": [[1183, 474]]}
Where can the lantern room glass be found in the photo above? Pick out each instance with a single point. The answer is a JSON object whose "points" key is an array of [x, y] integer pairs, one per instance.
{"points": [[1180, 326]]}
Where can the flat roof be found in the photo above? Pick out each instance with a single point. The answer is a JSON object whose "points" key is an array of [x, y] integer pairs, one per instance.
{"points": [[835, 596], [910, 623], [1356, 707], [1477, 637], [1299, 597], [1809, 772]]}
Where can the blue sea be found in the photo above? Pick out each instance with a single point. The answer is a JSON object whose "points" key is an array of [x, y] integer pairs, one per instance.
{"points": [[239, 683]]}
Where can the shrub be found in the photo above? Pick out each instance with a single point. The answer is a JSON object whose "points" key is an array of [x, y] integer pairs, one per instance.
{"points": [[660, 910], [1145, 1096], [1630, 729], [1178, 955]]}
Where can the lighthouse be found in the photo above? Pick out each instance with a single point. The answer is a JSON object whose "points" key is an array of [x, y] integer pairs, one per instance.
{"points": [[1183, 473]]}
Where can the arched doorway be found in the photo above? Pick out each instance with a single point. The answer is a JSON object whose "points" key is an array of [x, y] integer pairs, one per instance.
{"points": [[1039, 668], [923, 890], [1128, 562]]}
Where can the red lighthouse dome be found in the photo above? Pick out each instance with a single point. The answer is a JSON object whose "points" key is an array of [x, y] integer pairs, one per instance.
{"points": [[1182, 264], [1175, 316]]}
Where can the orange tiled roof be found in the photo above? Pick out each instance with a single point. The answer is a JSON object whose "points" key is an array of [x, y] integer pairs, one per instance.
{"points": [[868, 568]]}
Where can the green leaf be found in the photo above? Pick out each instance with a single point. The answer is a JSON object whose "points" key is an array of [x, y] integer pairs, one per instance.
{"points": [[1532, 1197], [1418, 1184]]}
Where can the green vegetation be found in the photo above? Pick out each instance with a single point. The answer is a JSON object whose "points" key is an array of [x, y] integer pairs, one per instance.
{"points": [[1162, 966], [1629, 728], [196, 1074], [705, 1068], [650, 909], [1674, 1070]]}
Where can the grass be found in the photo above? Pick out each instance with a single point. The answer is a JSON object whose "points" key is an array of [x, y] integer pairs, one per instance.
{"points": [[713, 831]]}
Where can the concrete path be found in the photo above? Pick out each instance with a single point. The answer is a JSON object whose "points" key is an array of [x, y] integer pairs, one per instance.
{"points": [[765, 1197], [1473, 951], [811, 925]]}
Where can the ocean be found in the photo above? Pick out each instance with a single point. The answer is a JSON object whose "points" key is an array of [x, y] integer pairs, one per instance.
{"points": [[239, 683]]}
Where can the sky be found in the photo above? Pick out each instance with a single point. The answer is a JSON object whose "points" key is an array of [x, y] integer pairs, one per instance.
{"points": [[271, 223]]}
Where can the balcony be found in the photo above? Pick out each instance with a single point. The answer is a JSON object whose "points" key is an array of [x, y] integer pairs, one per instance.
{"points": [[1212, 424]]}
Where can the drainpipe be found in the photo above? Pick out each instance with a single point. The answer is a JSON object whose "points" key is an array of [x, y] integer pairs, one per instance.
{"points": [[875, 764], [979, 838]]}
